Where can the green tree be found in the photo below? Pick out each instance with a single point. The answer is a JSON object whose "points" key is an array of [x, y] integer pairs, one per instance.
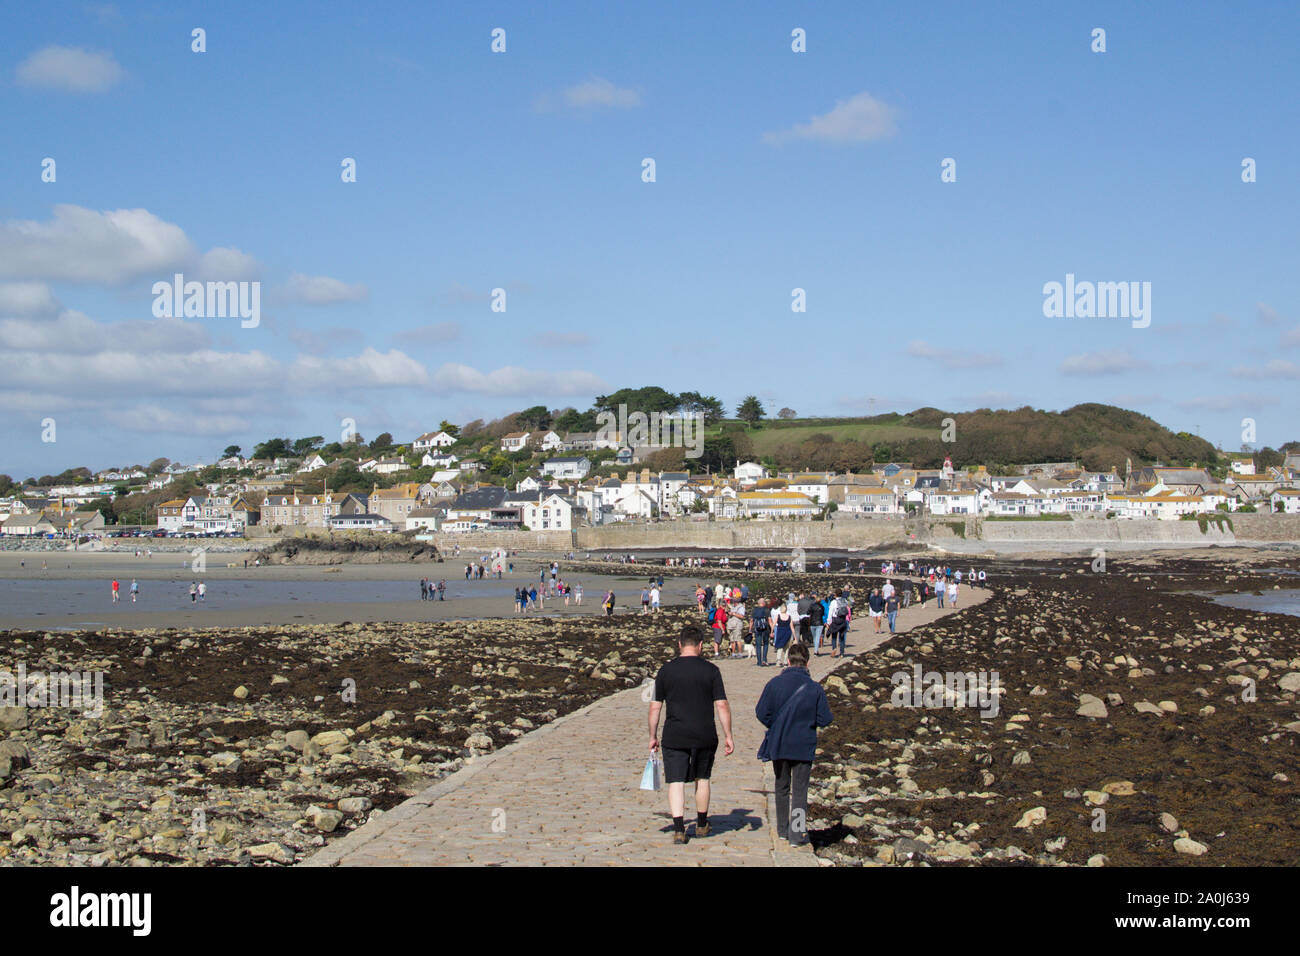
{"points": [[786, 413], [384, 441], [750, 410], [273, 448], [304, 445], [449, 428], [231, 451], [692, 402], [536, 418]]}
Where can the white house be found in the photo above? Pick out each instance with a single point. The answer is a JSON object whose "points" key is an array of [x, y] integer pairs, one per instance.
{"points": [[529, 483], [424, 519], [574, 468], [515, 441], [953, 502], [360, 522], [445, 475], [815, 485], [550, 441], [1014, 503], [313, 463], [872, 499], [549, 513], [749, 472], [1243, 466], [438, 459], [776, 504], [388, 466], [1286, 500], [431, 440]]}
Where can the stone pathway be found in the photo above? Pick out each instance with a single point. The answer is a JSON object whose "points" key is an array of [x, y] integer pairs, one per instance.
{"points": [[568, 793]]}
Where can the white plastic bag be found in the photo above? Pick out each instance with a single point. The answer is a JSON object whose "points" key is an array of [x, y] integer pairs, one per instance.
{"points": [[652, 778]]}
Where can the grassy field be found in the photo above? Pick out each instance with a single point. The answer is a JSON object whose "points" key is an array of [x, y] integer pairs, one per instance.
{"points": [[775, 433]]}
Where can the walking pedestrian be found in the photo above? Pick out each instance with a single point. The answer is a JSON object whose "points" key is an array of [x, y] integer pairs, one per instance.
{"points": [[135, 590], [693, 690], [116, 591], [792, 707], [891, 611], [782, 632], [760, 628]]}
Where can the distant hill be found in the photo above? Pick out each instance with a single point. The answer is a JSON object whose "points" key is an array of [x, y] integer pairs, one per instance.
{"points": [[1099, 436]]}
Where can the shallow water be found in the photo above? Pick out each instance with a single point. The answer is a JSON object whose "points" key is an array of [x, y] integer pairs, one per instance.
{"points": [[24, 598], [1282, 601]]}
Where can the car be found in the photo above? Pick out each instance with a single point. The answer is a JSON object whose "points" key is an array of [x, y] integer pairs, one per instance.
{"points": [[160, 533]]}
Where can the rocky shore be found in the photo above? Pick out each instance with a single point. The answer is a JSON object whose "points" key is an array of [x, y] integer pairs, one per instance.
{"points": [[241, 746], [1138, 725], [347, 549]]}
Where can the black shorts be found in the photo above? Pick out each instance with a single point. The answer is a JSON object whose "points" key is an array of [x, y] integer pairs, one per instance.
{"points": [[685, 766]]}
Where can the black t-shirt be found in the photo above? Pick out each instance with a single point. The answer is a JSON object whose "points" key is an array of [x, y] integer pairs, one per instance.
{"points": [[689, 686]]}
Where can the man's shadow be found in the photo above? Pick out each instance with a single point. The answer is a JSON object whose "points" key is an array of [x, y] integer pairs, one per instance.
{"points": [[740, 818]]}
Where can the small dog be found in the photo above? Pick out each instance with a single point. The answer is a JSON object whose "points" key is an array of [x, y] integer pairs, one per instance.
{"points": [[749, 650]]}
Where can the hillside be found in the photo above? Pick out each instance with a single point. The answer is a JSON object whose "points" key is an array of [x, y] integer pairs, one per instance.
{"points": [[1098, 436]]}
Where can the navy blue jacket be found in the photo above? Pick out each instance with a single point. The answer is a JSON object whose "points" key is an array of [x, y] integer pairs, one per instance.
{"points": [[792, 732]]}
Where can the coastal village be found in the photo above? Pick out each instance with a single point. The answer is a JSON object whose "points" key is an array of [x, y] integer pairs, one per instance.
{"points": [[588, 479]]}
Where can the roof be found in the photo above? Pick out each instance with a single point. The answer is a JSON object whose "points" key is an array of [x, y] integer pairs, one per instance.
{"points": [[480, 499]]}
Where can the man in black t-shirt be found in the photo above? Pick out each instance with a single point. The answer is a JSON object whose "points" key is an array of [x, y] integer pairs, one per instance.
{"points": [[692, 688]]}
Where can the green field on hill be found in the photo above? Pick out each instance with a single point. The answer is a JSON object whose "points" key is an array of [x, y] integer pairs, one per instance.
{"points": [[773, 434]]}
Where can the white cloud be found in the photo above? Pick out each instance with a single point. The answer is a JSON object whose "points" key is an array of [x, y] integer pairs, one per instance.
{"points": [[1266, 314], [322, 290], [27, 298], [1225, 403], [1104, 362], [82, 245], [157, 419], [599, 91], [859, 119], [435, 333], [73, 333], [953, 358], [225, 264], [1277, 368], [512, 380], [369, 369], [595, 93], [560, 340], [1290, 337], [70, 69]]}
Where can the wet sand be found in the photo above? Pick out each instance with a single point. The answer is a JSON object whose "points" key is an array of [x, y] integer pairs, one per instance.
{"points": [[74, 592]]}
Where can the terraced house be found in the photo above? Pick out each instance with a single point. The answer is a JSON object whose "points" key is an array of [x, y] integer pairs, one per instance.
{"points": [[309, 511]]}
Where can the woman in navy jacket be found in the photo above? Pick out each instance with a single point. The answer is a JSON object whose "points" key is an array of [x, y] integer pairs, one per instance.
{"points": [[792, 707]]}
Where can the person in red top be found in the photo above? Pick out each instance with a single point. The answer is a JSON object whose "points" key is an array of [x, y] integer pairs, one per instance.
{"points": [[116, 590], [719, 625]]}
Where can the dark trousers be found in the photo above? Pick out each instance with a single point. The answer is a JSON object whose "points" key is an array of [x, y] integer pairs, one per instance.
{"points": [[792, 799]]}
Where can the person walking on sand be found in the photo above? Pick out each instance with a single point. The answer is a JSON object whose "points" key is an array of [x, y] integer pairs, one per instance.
{"points": [[876, 609], [577, 595], [654, 599], [135, 590], [952, 593], [837, 630], [424, 589], [760, 627], [717, 625], [609, 604], [792, 707], [203, 591], [891, 611], [194, 592], [736, 627], [692, 688], [116, 592], [782, 632], [442, 589]]}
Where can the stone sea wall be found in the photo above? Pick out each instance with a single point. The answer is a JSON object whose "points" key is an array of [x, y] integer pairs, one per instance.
{"points": [[883, 532]]}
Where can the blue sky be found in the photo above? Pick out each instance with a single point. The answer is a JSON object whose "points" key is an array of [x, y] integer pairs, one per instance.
{"points": [[521, 170]]}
